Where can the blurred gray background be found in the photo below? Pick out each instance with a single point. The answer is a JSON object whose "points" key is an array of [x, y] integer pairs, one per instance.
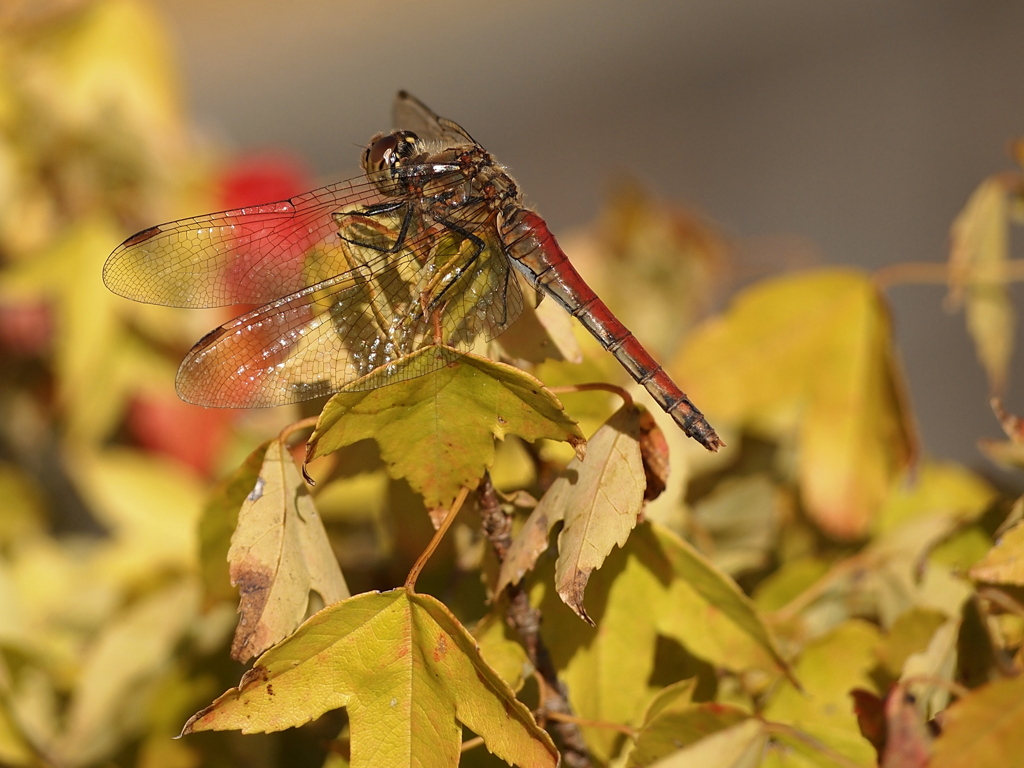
{"points": [[861, 126]]}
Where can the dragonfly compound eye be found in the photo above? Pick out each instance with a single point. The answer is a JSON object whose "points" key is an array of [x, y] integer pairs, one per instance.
{"points": [[388, 150]]}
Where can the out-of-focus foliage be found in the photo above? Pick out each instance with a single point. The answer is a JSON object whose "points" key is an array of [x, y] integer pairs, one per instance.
{"points": [[106, 641], [816, 594]]}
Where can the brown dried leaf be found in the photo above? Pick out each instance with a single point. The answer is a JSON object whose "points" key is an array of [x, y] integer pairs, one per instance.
{"points": [[908, 743], [654, 454]]}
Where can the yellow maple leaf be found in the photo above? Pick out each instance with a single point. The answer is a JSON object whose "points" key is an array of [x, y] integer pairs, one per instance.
{"points": [[812, 354]]}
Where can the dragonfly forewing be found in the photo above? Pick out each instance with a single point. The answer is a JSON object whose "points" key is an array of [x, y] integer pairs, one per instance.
{"points": [[245, 256]]}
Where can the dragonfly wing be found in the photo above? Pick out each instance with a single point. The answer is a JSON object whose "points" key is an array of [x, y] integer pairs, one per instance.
{"points": [[411, 114], [245, 256], [440, 288]]}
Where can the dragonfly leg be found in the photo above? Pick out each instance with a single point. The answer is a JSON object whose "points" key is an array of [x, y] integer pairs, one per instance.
{"points": [[428, 308], [372, 212], [478, 248], [435, 321]]}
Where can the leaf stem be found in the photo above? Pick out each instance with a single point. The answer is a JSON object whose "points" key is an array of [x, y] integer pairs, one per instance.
{"points": [[942, 273], [564, 718], [839, 571], [297, 426], [421, 561], [595, 385], [291, 429]]}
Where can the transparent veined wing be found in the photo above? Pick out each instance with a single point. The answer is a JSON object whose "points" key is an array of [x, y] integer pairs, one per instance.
{"points": [[439, 287], [411, 114], [248, 255]]}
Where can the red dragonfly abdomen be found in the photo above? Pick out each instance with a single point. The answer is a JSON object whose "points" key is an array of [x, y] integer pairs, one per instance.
{"points": [[535, 253]]}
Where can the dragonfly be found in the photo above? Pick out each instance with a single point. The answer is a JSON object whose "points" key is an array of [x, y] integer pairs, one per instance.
{"points": [[351, 279]]}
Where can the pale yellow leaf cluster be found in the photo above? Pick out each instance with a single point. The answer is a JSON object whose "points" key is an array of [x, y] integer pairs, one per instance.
{"points": [[828, 669], [92, 628], [811, 356], [117, 669], [655, 585]]}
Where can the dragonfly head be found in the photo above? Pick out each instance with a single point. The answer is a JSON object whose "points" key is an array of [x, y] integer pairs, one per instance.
{"points": [[383, 157]]}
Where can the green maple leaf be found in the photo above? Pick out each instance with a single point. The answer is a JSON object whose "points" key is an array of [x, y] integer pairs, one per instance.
{"points": [[437, 430]]}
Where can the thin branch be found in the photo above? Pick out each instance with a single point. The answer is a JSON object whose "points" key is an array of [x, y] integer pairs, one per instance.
{"points": [[421, 561], [827, 581], [525, 619], [594, 386], [630, 732], [942, 274]]}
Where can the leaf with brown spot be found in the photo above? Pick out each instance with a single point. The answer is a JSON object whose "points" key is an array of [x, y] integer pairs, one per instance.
{"points": [[409, 675], [218, 523], [279, 555]]}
